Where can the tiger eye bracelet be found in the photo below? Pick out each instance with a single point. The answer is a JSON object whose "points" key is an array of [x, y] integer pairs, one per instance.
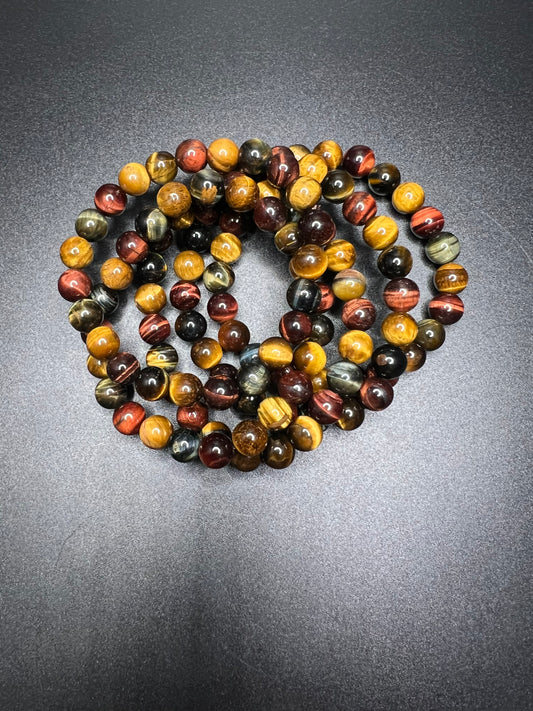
{"points": [[283, 389]]}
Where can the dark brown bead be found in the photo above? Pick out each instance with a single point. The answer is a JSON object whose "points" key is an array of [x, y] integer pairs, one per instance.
{"points": [[215, 450], [359, 208], [328, 298], [416, 356], [110, 199], [295, 326], [233, 336], [316, 227], [446, 308], [353, 415], [270, 214], [123, 368], [358, 161], [184, 295], [193, 417], [245, 464], [222, 307], [205, 214], [279, 452], [221, 393], [401, 294], [294, 386], [238, 223], [225, 371], [162, 244], [191, 155], [131, 247], [376, 393], [282, 167], [325, 407], [154, 329], [358, 314], [74, 285], [250, 437]]}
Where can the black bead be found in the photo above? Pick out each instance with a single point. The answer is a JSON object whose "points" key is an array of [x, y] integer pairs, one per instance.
{"points": [[152, 270], [191, 325], [388, 361], [198, 238], [323, 330], [304, 295]]}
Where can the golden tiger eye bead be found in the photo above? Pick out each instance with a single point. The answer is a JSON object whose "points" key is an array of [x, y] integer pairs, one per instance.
{"points": [[313, 166], [134, 179], [226, 247], [400, 329], [275, 413], [102, 342], [174, 199], [161, 167], [150, 298], [320, 380], [303, 193], [223, 155], [155, 431], [299, 150], [380, 232], [305, 433], [408, 198], [189, 265], [451, 278], [341, 255], [97, 367], [250, 437], [266, 189], [242, 193], [275, 352], [286, 238], [183, 222], [206, 353], [116, 274], [331, 152], [308, 262], [184, 388], [310, 358], [214, 426], [349, 284], [76, 253], [356, 346]]}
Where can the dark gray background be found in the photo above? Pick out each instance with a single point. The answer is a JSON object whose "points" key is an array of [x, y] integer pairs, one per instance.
{"points": [[386, 570]]}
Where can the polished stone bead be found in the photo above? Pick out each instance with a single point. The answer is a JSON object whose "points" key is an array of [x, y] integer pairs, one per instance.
{"points": [[275, 352], [408, 198], [253, 156], [353, 415], [85, 314], [431, 334], [380, 232], [345, 378], [151, 224], [163, 356], [349, 284], [108, 299], [214, 426], [416, 356], [233, 336], [206, 353], [331, 152], [76, 252], [221, 393], [151, 383], [305, 433], [304, 295], [401, 294], [123, 368], [174, 199], [218, 277], [191, 155], [279, 452], [270, 214], [184, 445], [225, 370], [116, 274], [322, 330], [358, 161], [223, 155], [299, 151], [250, 437], [275, 413], [247, 405], [110, 199], [153, 269], [131, 247], [215, 450], [97, 367], [451, 278], [442, 248], [303, 193], [399, 328], [74, 285], [355, 346], [376, 393], [383, 178], [161, 167], [196, 238], [254, 379], [245, 464], [341, 255], [189, 265], [207, 186], [184, 388], [206, 214], [295, 386], [359, 208], [337, 186], [325, 407], [190, 326], [427, 222], [310, 358], [91, 225], [102, 342], [327, 297], [316, 227], [226, 247], [388, 361], [358, 314], [193, 417], [250, 354], [155, 432], [154, 328], [134, 179], [295, 326], [112, 395], [313, 166], [184, 295], [395, 261], [127, 418], [282, 167], [446, 308], [238, 223], [150, 298], [308, 262]]}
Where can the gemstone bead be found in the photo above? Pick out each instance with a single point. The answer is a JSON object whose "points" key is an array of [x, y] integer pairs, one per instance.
{"points": [[74, 285], [226, 247], [303, 193], [250, 437], [241, 193], [282, 167], [353, 415], [76, 252], [218, 277], [233, 336], [270, 214], [308, 262], [275, 413], [358, 161], [153, 269], [355, 346], [151, 224], [189, 265], [295, 326], [416, 356], [345, 378], [102, 342], [91, 225], [155, 432], [395, 261], [295, 387], [85, 314], [446, 308], [150, 298], [376, 393], [253, 156], [131, 247], [408, 198], [116, 274], [221, 393], [123, 368], [163, 356], [161, 167], [313, 166], [383, 179], [151, 383], [442, 248], [325, 407], [192, 417], [359, 208], [254, 379], [349, 284], [310, 358], [191, 155], [304, 295], [190, 326], [222, 307], [316, 227], [184, 445], [112, 395], [337, 186], [451, 278], [134, 179], [110, 199], [173, 199], [184, 388], [305, 433], [358, 314], [330, 151], [279, 452], [127, 418], [184, 296], [341, 255], [427, 222], [401, 294], [223, 155], [431, 334], [380, 232], [215, 450], [275, 352], [399, 328], [388, 361]]}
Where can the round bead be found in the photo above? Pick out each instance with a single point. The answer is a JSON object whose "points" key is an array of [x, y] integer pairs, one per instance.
{"points": [[108, 299], [431, 334], [253, 156], [247, 405], [349, 284], [123, 368], [358, 314], [190, 326], [191, 155], [399, 329], [443, 248], [197, 238], [282, 167], [184, 445], [401, 294], [396, 261], [163, 356], [376, 393], [111, 395], [96, 367], [327, 297], [250, 354], [322, 330], [358, 161], [380, 232], [127, 418], [226, 248], [275, 352], [184, 388], [238, 223], [303, 193], [325, 407], [383, 179], [286, 238], [355, 346], [102, 342], [76, 253], [151, 383], [446, 308], [222, 307], [359, 208], [153, 269], [304, 295], [161, 167], [224, 370], [299, 150], [250, 438], [207, 186], [214, 426], [91, 225], [245, 464], [295, 326], [223, 155], [270, 214], [74, 284], [150, 298], [331, 152], [218, 277], [193, 417], [184, 222], [319, 381], [233, 336], [279, 452], [173, 199], [133, 178], [416, 356], [189, 265], [451, 278], [388, 361], [110, 199], [310, 358], [116, 274], [408, 198], [254, 379], [295, 386], [216, 450], [345, 378], [341, 255], [338, 186], [305, 433], [151, 224], [242, 193], [427, 222], [85, 314], [155, 432], [308, 262], [275, 413], [313, 166], [353, 415], [154, 328], [131, 247], [184, 296], [316, 227], [221, 393]]}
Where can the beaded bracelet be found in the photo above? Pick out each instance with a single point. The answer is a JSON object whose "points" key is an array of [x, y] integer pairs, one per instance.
{"points": [[283, 387]]}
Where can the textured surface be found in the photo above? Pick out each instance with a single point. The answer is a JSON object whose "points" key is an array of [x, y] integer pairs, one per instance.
{"points": [[387, 569]]}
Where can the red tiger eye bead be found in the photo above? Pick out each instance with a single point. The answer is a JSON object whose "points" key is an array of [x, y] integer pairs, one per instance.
{"points": [[110, 199], [427, 222], [129, 417], [359, 161], [359, 208], [325, 407], [191, 155], [222, 307], [282, 167], [154, 329], [193, 417], [74, 284], [184, 295], [131, 247]]}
